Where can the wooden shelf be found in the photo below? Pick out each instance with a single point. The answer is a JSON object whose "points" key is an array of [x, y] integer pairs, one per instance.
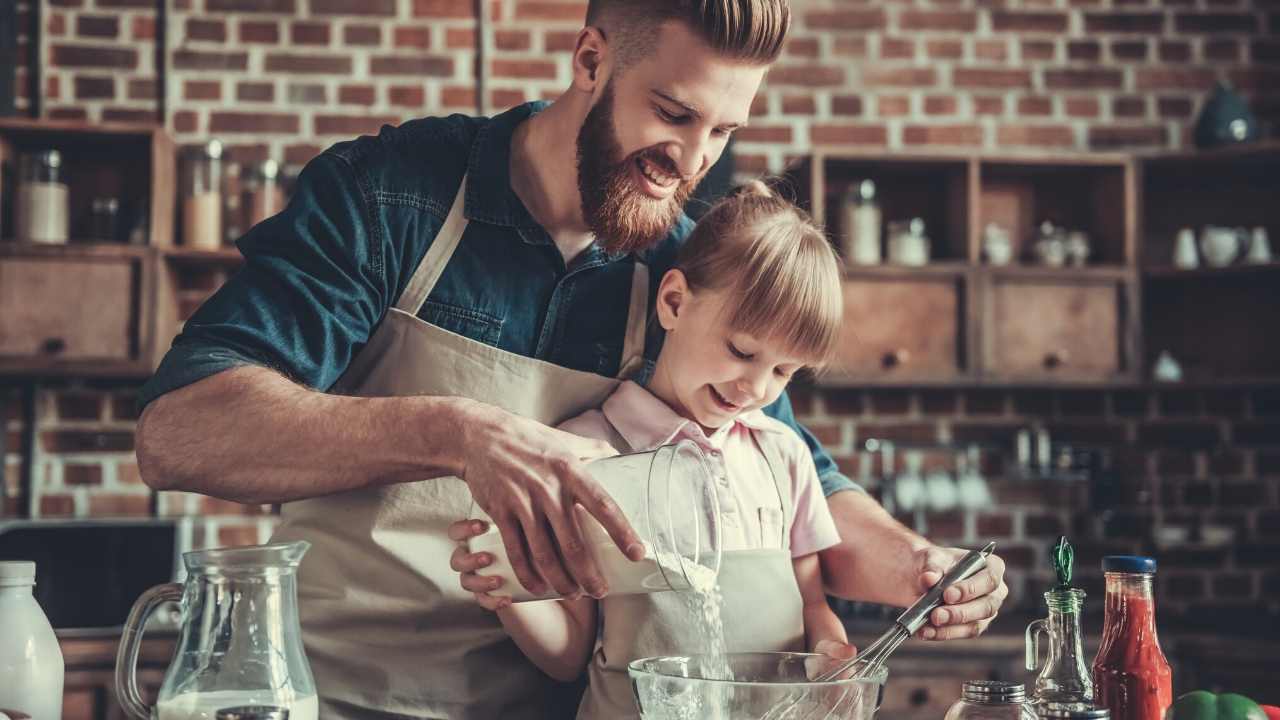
{"points": [[13, 248], [191, 256], [934, 269], [1088, 272], [1171, 273]]}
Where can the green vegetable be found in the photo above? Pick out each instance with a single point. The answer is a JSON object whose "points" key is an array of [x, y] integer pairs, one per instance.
{"points": [[1204, 705]]}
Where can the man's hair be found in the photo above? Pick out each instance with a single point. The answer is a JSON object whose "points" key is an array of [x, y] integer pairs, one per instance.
{"points": [[748, 30]]}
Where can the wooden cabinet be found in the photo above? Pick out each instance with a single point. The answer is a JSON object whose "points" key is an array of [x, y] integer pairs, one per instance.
{"points": [[89, 686], [905, 328]]}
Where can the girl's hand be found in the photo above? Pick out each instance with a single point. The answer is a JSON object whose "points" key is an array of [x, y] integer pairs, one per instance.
{"points": [[833, 654], [467, 563]]}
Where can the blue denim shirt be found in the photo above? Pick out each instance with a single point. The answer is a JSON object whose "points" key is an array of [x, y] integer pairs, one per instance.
{"points": [[318, 278]]}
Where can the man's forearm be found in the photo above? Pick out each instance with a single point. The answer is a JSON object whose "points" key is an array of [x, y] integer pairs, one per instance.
{"points": [[250, 435], [872, 561]]}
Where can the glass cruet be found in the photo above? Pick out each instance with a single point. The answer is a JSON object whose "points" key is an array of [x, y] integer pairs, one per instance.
{"points": [[239, 642]]}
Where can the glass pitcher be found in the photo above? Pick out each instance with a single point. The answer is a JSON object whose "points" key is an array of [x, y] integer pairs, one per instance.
{"points": [[1064, 678], [239, 643], [669, 496]]}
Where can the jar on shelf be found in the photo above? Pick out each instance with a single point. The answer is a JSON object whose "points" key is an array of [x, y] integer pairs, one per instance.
{"points": [[261, 195], [991, 700], [202, 196], [41, 204], [908, 243]]}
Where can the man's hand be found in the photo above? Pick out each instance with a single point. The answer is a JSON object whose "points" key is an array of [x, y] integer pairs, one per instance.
{"points": [[970, 605], [528, 477]]}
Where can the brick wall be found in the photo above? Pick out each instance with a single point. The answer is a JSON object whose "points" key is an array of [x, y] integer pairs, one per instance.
{"points": [[286, 77]]}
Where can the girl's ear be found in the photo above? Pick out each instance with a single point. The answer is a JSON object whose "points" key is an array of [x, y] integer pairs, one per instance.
{"points": [[673, 296]]}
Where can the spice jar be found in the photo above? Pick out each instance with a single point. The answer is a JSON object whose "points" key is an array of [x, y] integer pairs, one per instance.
{"points": [[202, 197], [991, 700], [260, 193], [100, 224], [42, 198], [1072, 711]]}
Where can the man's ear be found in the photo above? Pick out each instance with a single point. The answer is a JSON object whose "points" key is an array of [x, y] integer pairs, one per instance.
{"points": [[673, 297], [589, 57]]}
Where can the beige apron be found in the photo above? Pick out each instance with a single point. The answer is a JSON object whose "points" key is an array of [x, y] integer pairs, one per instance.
{"points": [[388, 630], [762, 611]]}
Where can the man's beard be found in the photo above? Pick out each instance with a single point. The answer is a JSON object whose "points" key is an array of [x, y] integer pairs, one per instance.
{"points": [[623, 217]]}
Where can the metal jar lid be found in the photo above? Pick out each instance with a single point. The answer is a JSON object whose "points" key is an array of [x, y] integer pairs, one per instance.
{"points": [[1060, 711], [994, 691], [253, 712]]}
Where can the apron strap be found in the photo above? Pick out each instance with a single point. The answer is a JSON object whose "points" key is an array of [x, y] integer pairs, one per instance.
{"points": [[781, 482], [637, 317], [446, 241]]}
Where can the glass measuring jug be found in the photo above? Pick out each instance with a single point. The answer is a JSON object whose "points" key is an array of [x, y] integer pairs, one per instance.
{"points": [[239, 642], [669, 496]]}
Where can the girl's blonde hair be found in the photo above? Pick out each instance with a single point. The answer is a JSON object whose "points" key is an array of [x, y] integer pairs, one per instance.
{"points": [[782, 274]]}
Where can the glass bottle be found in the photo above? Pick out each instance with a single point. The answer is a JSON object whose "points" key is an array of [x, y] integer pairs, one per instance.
{"points": [[1064, 677], [261, 195], [1131, 676], [991, 700], [31, 665], [202, 197], [42, 202], [861, 216]]}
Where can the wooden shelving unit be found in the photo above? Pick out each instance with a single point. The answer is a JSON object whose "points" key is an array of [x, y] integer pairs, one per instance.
{"points": [[1022, 323]]}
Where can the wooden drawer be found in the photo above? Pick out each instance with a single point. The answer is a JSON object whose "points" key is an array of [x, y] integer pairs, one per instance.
{"points": [[1042, 329], [907, 328], [69, 310]]}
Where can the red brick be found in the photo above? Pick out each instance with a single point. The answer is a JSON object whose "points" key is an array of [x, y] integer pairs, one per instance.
{"points": [[406, 95], [566, 11], [383, 8], [1129, 107], [129, 115], [759, 105], [307, 94], [430, 66], [1223, 49], [806, 75], [849, 134], [76, 441], [1035, 136], [1150, 23], [459, 38], [101, 505], [311, 64], [94, 88], [1175, 51], [892, 48], [959, 21], [893, 105], [806, 105], [196, 60], [202, 90], [357, 94], [872, 19], [1083, 79], [362, 35], [559, 41], [991, 50], [1085, 50], [803, 47], [1215, 22], [266, 33], [94, 57], [418, 37], [1129, 50], [764, 133], [1175, 79], [257, 122], [914, 433], [843, 402], [899, 77], [57, 505], [748, 163], [98, 26], [1039, 50], [454, 96], [1255, 78], [443, 9], [1034, 22], [300, 154], [850, 46], [207, 30], [512, 40], [56, 25], [524, 69], [185, 121], [255, 92], [141, 89], [215, 506], [988, 105], [843, 105], [309, 33], [1035, 106], [282, 7], [351, 125], [940, 105], [81, 474], [127, 473], [991, 78], [944, 49]]}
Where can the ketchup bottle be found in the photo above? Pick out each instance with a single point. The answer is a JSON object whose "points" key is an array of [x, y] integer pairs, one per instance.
{"points": [[1131, 676]]}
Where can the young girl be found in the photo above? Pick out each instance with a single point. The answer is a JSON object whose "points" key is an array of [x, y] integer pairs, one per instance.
{"points": [[754, 298]]}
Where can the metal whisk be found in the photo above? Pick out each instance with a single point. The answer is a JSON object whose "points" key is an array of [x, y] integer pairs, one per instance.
{"points": [[872, 658]]}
